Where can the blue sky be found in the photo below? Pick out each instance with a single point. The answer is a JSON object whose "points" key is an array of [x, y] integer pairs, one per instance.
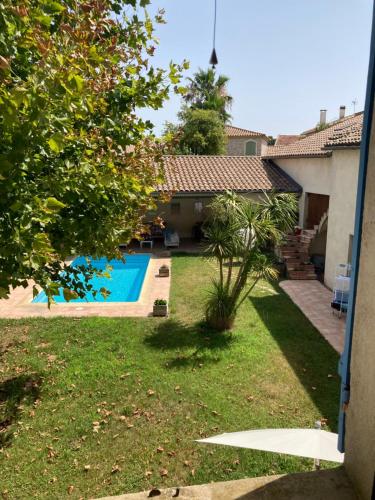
{"points": [[286, 59]]}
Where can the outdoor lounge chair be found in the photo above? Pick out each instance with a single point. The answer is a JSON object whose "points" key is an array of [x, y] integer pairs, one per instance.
{"points": [[171, 238]]}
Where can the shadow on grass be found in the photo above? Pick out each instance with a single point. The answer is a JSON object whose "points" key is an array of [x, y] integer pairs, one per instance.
{"points": [[14, 392], [310, 356], [193, 344]]}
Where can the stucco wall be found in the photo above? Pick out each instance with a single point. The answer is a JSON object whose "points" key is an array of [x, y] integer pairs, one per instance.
{"points": [[360, 429], [345, 164], [185, 220], [313, 174], [236, 145], [335, 176]]}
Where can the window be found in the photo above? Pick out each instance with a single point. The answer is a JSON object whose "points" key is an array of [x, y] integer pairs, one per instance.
{"points": [[175, 208], [198, 207], [250, 148]]}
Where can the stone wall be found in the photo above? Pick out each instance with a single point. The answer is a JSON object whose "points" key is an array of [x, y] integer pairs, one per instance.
{"points": [[236, 145]]}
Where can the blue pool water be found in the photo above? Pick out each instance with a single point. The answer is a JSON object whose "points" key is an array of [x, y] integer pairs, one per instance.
{"points": [[125, 283]]}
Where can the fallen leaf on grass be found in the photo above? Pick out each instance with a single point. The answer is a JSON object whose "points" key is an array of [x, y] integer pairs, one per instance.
{"points": [[70, 489], [115, 468], [87, 468], [150, 392], [148, 473], [163, 472]]}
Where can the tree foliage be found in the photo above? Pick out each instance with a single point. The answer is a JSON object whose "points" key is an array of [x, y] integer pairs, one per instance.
{"points": [[206, 91], [201, 132], [237, 232], [72, 75]]}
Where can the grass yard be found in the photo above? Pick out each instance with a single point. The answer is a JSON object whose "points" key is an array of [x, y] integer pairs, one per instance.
{"points": [[101, 406]]}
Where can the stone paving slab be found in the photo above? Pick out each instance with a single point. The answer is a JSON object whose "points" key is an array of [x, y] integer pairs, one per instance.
{"points": [[19, 304], [314, 300], [330, 484]]}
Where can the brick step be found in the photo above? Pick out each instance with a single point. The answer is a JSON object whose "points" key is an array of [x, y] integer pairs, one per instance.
{"points": [[299, 266], [290, 248], [300, 255], [302, 275], [308, 232], [292, 238]]}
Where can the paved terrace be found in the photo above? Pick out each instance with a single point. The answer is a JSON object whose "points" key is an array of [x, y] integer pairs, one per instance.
{"points": [[314, 300], [330, 484]]}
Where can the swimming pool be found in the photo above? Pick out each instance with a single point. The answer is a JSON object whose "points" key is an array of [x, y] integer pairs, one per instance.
{"points": [[125, 283]]}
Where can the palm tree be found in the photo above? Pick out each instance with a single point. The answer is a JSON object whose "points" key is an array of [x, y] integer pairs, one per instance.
{"points": [[237, 232], [205, 91]]}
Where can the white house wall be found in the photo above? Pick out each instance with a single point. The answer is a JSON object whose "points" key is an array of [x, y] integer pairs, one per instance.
{"points": [[335, 176], [342, 203], [313, 174]]}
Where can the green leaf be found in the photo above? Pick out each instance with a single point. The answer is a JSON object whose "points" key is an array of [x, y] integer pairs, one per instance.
{"points": [[56, 142], [54, 205]]}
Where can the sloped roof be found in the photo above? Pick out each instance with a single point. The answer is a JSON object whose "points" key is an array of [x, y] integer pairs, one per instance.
{"points": [[319, 143], [214, 174], [231, 131], [347, 135], [285, 140]]}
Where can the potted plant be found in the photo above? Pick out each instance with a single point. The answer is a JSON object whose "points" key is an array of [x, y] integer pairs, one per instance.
{"points": [[164, 271], [160, 307]]}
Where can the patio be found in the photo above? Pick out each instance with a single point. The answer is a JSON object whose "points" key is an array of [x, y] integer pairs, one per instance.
{"points": [[314, 300]]}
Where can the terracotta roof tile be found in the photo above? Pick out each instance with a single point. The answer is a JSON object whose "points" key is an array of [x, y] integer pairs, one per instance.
{"points": [[348, 135], [318, 143], [213, 174], [285, 140], [231, 131]]}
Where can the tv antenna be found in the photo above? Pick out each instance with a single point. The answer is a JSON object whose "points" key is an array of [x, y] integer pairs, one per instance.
{"points": [[213, 58], [354, 102]]}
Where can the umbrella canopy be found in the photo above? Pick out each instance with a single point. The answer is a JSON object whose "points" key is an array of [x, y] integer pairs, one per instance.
{"points": [[310, 443]]}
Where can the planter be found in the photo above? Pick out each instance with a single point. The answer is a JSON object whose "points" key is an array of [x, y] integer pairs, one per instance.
{"points": [[164, 271], [160, 310]]}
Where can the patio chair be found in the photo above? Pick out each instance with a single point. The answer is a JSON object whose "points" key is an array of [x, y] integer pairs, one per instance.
{"points": [[171, 238]]}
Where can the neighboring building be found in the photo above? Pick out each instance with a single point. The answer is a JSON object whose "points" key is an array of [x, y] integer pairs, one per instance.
{"points": [[242, 142], [326, 165], [194, 180]]}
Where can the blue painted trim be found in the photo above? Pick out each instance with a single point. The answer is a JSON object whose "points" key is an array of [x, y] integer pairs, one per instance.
{"points": [[344, 365]]}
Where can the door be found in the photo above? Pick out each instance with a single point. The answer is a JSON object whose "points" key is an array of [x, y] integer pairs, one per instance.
{"points": [[317, 206]]}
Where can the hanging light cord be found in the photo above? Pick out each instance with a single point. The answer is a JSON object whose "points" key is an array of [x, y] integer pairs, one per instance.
{"points": [[215, 24]]}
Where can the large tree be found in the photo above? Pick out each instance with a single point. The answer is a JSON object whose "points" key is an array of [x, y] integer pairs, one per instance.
{"points": [[72, 74], [208, 91], [202, 133]]}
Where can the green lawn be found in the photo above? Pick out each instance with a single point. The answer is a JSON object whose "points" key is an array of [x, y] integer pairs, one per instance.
{"points": [[100, 406]]}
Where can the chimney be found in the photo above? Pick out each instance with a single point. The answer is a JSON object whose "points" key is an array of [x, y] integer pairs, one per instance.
{"points": [[342, 112], [323, 117]]}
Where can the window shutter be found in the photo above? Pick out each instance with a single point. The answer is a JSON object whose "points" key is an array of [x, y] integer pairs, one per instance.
{"points": [[251, 148]]}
